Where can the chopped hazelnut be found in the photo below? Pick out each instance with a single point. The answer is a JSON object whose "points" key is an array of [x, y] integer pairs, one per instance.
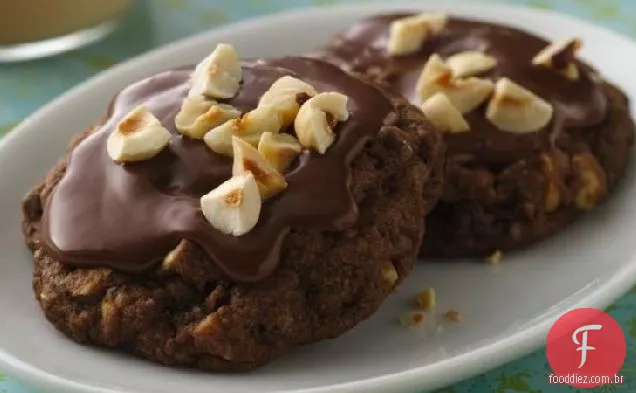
{"points": [[494, 258], [453, 316], [427, 299], [412, 318]]}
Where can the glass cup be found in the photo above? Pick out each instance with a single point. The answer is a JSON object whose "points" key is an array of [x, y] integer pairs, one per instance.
{"points": [[39, 28]]}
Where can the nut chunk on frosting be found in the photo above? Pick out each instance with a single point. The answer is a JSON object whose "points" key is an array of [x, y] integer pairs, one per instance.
{"points": [[443, 114], [407, 35], [233, 207], [516, 109], [219, 75], [317, 118], [279, 149], [286, 96], [198, 116], [248, 159], [561, 56], [277, 109], [137, 137], [470, 63], [465, 94], [249, 127]]}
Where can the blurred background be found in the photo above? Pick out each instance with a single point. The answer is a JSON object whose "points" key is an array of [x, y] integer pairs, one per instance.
{"points": [[146, 24], [111, 31]]}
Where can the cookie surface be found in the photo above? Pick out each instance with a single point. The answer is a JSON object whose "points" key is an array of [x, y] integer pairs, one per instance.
{"points": [[183, 309], [505, 190]]}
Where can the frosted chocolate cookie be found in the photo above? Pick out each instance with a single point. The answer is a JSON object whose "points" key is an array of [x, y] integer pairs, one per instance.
{"points": [[535, 137], [220, 215]]}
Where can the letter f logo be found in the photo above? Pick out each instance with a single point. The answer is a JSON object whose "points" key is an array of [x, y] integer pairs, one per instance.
{"points": [[583, 343]]}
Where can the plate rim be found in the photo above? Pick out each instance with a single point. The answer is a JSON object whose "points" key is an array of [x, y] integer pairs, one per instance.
{"points": [[454, 369]]}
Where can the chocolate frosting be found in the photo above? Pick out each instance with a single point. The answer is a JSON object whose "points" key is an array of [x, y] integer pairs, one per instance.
{"points": [[128, 217], [577, 104]]}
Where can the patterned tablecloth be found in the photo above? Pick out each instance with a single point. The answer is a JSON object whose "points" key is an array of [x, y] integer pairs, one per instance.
{"points": [[26, 87]]}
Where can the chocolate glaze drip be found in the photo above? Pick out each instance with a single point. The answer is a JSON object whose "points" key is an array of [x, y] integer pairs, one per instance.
{"points": [[577, 104], [128, 217]]}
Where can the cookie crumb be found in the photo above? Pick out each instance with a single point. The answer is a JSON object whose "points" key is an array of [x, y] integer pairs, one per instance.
{"points": [[453, 316], [494, 258], [412, 318], [427, 299]]}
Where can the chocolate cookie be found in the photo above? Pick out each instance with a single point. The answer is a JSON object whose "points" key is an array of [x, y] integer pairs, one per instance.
{"points": [[126, 258], [512, 176]]}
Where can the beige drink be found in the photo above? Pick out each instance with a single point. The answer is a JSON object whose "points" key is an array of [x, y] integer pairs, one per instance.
{"points": [[23, 21]]}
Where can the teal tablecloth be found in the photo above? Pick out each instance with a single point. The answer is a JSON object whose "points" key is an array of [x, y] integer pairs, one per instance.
{"points": [[26, 87]]}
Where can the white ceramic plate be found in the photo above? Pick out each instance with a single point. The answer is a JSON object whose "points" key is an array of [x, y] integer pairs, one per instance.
{"points": [[507, 311]]}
